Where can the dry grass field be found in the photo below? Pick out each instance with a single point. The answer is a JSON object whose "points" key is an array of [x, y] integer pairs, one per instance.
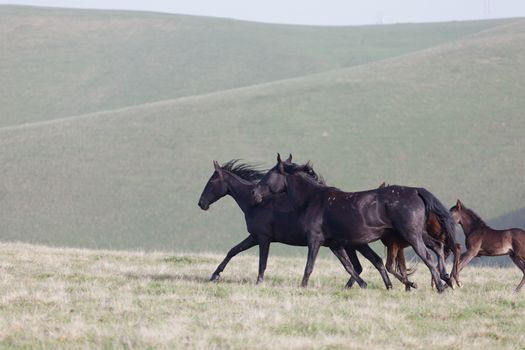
{"points": [[70, 298]]}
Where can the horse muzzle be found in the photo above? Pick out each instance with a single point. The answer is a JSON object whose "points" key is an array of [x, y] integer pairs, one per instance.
{"points": [[204, 206]]}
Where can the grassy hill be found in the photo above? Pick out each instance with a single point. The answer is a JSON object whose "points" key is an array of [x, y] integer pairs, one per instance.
{"points": [[58, 63], [447, 117], [70, 298]]}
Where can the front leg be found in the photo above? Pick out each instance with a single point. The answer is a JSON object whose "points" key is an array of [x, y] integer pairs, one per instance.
{"points": [[313, 249], [264, 248], [467, 256], [247, 243]]}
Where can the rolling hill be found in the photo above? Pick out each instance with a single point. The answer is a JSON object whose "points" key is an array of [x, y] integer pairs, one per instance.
{"points": [[57, 63], [445, 114]]}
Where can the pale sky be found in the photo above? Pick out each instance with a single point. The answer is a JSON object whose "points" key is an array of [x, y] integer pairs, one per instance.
{"points": [[319, 12]]}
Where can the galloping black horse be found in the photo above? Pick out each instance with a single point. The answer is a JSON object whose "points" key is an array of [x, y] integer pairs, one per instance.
{"points": [[274, 220], [335, 218]]}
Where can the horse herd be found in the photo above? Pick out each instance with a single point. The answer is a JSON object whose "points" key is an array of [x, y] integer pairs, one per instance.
{"points": [[291, 204]]}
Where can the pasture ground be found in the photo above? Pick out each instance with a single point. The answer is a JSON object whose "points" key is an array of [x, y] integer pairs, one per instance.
{"points": [[52, 297]]}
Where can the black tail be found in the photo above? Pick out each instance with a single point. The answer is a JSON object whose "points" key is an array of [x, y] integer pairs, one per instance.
{"points": [[432, 204]]}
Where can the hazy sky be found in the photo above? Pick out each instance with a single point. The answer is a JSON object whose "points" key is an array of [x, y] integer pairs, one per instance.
{"points": [[324, 12]]}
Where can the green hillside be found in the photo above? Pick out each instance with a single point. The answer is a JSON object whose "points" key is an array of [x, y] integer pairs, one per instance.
{"points": [[57, 63], [448, 118]]}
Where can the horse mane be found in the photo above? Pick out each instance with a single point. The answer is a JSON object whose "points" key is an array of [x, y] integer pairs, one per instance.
{"points": [[307, 169], [476, 219], [245, 171]]}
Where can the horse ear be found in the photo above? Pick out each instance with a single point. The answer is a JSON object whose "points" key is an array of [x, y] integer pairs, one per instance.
{"points": [[383, 185], [218, 169], [278, 158], [289, 158], [458, 204]]}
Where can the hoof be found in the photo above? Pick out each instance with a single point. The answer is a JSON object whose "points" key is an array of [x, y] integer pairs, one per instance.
{"points": [[214, 277], [460, 284], [412, 284], [363, 285]]}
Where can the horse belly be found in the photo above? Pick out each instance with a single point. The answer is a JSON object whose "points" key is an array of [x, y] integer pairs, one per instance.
{"points": [[495, 249], [351, 232], [286, 230]]}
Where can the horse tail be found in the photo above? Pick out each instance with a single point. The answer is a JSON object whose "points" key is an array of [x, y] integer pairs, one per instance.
{"points": [[434, 206]]}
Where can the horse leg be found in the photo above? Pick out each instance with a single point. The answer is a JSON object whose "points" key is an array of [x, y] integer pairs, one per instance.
{"points": [[419, 247], [455, 273], [438, 248], [264, 248], [391, 253], [350, 251], [467, 256], [343, 257], [521, 265], [403, 269], [247, 243], [313, 249], [377, 262]]}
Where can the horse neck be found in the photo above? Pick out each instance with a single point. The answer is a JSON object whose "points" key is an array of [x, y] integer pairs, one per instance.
{"points": [[300, 190], [470, 223], [239, 189]]}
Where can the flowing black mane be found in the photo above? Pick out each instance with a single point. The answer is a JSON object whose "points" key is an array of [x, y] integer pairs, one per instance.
{"points": [[245, 171], [307, 169]]}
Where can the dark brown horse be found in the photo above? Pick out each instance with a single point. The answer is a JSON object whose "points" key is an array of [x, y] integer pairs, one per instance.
{"points": [[481, 240], [275, 220], [395, 245], [336, 218]]}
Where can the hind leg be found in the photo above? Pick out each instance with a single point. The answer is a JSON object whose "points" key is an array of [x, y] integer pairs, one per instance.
{"points": [[376, 261], [403, 269], [391, 253], [438, 248], [246, 244], [394, 254], [352, 255], [455, 273], [419, 247], [521, 265], [343, 257]]}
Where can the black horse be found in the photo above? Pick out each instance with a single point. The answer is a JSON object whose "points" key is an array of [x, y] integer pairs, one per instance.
{"points": [[273, 220], [336, 218]]}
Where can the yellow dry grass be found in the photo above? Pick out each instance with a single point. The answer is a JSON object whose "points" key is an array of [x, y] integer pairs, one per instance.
{"points": [[53, 297]]}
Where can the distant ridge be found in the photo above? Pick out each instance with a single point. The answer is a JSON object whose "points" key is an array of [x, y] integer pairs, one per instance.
{"points": [[63, 62]]}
